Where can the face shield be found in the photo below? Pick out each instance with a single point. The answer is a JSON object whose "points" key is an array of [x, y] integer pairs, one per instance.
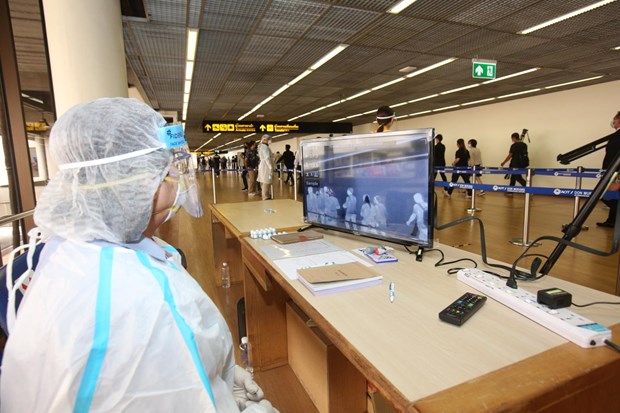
{"points": [[188, 196]]}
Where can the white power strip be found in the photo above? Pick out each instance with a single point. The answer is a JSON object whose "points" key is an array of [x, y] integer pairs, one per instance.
{"points": [[571, 326]]}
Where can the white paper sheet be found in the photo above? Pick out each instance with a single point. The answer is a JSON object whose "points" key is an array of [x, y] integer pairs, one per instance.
{"points": [[298, 249]]}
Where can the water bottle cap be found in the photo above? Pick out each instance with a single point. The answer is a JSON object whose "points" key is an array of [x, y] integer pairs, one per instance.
{"points": [[224, 264], [244, 340]]}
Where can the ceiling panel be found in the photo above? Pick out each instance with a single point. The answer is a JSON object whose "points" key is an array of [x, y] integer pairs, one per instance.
{"points": [[249, 49]]}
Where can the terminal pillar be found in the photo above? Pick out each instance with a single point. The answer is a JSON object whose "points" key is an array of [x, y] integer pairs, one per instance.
{"points": [[86, 50]]}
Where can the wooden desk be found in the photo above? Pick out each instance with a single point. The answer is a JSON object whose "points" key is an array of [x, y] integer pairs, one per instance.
{"points": [[498, 361], [232, 221]]}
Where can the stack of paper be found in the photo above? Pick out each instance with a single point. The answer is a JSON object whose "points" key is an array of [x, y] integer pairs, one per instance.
{"points": [[338, 277]]}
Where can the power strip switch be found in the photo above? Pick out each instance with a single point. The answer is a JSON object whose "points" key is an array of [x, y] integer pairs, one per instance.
{"points": [[581, 331]]}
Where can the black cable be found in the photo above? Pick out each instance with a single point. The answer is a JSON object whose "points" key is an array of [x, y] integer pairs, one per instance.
{"points": [[594, 303], [612, 345], [441, 262]]}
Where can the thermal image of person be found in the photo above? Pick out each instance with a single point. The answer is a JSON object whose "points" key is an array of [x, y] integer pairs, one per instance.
{"points": [[378, 213], [350, 208], [419, 217], [366, 210], [312, 205], [331, 207]]}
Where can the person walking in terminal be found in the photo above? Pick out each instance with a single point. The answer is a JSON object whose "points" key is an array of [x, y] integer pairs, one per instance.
{"points": [[461, 158], [475, 159], [265, 167], [518, 157], [385, 118], [288, 159], [611, 151], [111, 321], [439, 158]]}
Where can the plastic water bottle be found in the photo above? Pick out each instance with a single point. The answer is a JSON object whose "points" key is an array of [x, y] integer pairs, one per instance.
{"points": [[225, 275], [246, 355]]}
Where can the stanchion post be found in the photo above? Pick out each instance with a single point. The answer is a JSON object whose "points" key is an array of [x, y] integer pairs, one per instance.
{"points": [[295, 183], [526, 216], [577, 204], [473, 208], [213, 184]]}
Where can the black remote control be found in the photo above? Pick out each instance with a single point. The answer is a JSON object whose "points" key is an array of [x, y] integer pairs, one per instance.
{"points": [[460, 310]]}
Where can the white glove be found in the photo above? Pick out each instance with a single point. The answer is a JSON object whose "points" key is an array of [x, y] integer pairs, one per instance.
{"points": [[245, 388], [262, 407]]}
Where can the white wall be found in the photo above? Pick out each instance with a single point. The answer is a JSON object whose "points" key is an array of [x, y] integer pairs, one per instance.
{"points": [[557, 123]]}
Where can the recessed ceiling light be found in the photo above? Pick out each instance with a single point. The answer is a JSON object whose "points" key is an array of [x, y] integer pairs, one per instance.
{"points": [[407, 69], [260, 115]]}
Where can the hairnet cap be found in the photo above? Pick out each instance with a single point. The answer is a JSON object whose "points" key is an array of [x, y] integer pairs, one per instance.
{"points": [[265, 138], [110, 195]]}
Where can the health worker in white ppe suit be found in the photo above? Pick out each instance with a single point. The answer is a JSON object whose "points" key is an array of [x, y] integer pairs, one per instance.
{"points": [[110, 320]]}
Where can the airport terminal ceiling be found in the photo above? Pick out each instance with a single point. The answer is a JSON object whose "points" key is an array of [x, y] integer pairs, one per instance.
{"points": [[247, 50]]}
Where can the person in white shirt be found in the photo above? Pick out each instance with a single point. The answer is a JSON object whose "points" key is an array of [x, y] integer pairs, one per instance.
{"points": [[475, 159]]}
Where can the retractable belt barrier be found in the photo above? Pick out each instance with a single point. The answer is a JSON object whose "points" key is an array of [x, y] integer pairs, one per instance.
{"points": [[527, 190]]}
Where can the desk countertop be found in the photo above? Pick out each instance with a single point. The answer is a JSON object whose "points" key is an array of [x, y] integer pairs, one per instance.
{"points": [[404, 346], [246, 216]]}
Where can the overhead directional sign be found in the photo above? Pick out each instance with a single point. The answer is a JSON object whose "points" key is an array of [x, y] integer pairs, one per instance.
{"points": [[483, 69], [219, 126]]}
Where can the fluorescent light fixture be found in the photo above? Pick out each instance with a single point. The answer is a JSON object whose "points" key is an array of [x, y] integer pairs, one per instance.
{"points": [[362, 93], [183, 126], [185, 97], [615, 48], [566, 16], [328, 56], [263, 102], [431, 67], [370, 111], [251, 134], [573, 82], [424, 98], [402, 116], [188, 86], [400, 79], [512, 75], [298, 78], [420, 113], [192, 42], [354, 116], [400, 6], [459, 89], [292, 119], [519, 93], [477, 101], [282, 89], [398, 104], [280, 135], [446, 108], [333, 104], [189, 70], [338, 120]]}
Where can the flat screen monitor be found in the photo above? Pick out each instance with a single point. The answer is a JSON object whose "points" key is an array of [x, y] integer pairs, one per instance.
{"points": [[376, 185]]}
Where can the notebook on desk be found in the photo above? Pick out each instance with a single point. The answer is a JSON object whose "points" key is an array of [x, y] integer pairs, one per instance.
{"points": [[338, 277], [296, 237]]}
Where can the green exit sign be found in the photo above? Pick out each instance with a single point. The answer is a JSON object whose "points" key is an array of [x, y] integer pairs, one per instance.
{"points": [[483, 69]]}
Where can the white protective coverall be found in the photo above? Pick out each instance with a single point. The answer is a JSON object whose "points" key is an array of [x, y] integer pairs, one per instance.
{"points": [[153, 327], [110, 321], [265, 167]]}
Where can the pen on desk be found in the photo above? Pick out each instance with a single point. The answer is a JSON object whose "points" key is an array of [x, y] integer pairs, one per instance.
{"points": [[392, 294]]}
